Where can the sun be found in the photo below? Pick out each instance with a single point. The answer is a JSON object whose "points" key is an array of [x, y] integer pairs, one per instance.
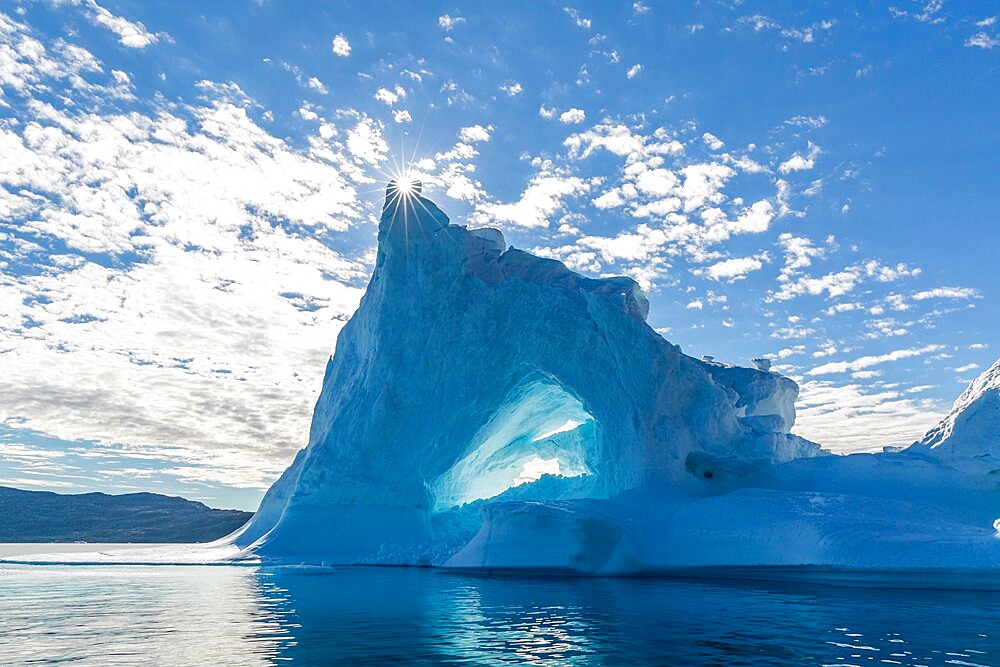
{"points": [[407, 185]]}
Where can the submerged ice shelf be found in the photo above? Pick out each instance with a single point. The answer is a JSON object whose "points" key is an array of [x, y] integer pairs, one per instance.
{"points": [[486, 408]]}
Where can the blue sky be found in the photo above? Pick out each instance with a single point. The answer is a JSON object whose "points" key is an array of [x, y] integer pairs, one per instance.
{"points": [[188, 203]]}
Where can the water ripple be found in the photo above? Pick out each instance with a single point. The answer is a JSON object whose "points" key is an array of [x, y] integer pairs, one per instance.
{"points": [[166, 615]]}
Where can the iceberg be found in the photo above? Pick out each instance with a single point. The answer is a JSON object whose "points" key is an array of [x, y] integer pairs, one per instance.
{"points": [[486, 409], [489, 409], [969, 436]]}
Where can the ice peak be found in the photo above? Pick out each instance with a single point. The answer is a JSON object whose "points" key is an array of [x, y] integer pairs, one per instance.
{"points": [[969, 436], [988, 381], [408, 212]]}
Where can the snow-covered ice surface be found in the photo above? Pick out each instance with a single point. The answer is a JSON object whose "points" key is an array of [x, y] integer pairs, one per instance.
{"points": [[489, 409]]}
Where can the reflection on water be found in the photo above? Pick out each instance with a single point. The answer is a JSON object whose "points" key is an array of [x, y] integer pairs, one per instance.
{"points": [[248, 615], [131, 615]]}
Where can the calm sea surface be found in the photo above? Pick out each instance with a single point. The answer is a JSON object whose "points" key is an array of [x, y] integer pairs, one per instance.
{"points": [[196, 615]]}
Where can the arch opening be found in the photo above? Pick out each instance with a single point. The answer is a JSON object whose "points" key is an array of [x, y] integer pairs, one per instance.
{"points": [[540, 436]]}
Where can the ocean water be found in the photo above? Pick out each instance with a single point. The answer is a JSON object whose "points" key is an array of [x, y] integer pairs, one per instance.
{"points": [[231, 615]]}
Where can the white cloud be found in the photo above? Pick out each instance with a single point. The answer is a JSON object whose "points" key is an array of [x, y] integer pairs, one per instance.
{"points": [[790, 351], [703, 184], [366, 143], [946, 293], [538, 203], [862, 363], [177, 247], [840, 282], [814, 122], [615, 138], [716, 299], [573, 116], [687, 204], [475, 133], [27, 67], [658, 182], [640, 245], [548, 113], [308, 114], [799, 253], [733, 269], [577, 18], [132, 34], [928, 14], [317, 85], [843, 308], [401, 116], [753, 220], [887, 274], [633, 71], [610, 199], [512, 89], [712, 141], [340, 46], [966, 368], [814, 189], [452, 171], [454, 94], [785, 333], [885, 327], [798, 162], [834, 284], [387, 96], [806, 34], [448, 23], [695, 305], [983, 40], [852, 417]]}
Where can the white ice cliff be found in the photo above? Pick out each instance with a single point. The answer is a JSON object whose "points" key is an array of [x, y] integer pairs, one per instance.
{"points": [[486, 408]]}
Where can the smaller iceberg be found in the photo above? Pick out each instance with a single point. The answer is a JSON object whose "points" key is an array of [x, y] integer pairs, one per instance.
{"points": [[968, 438]]}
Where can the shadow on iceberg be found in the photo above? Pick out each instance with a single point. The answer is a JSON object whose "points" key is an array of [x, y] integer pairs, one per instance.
{"points": [[489, 409]]}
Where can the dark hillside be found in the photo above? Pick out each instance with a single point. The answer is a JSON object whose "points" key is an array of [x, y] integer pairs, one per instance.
{"points": [[42, 516]]}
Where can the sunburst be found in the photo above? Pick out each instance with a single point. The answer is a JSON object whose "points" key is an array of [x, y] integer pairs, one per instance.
{"points": [[405, 186], [404, 202], [403, 178]]}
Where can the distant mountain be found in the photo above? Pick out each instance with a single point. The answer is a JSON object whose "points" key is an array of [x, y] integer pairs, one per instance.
{"points": [[42, 516]]}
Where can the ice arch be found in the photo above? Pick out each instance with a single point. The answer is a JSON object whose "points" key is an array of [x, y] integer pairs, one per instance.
{"points": [[539, 428]]}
